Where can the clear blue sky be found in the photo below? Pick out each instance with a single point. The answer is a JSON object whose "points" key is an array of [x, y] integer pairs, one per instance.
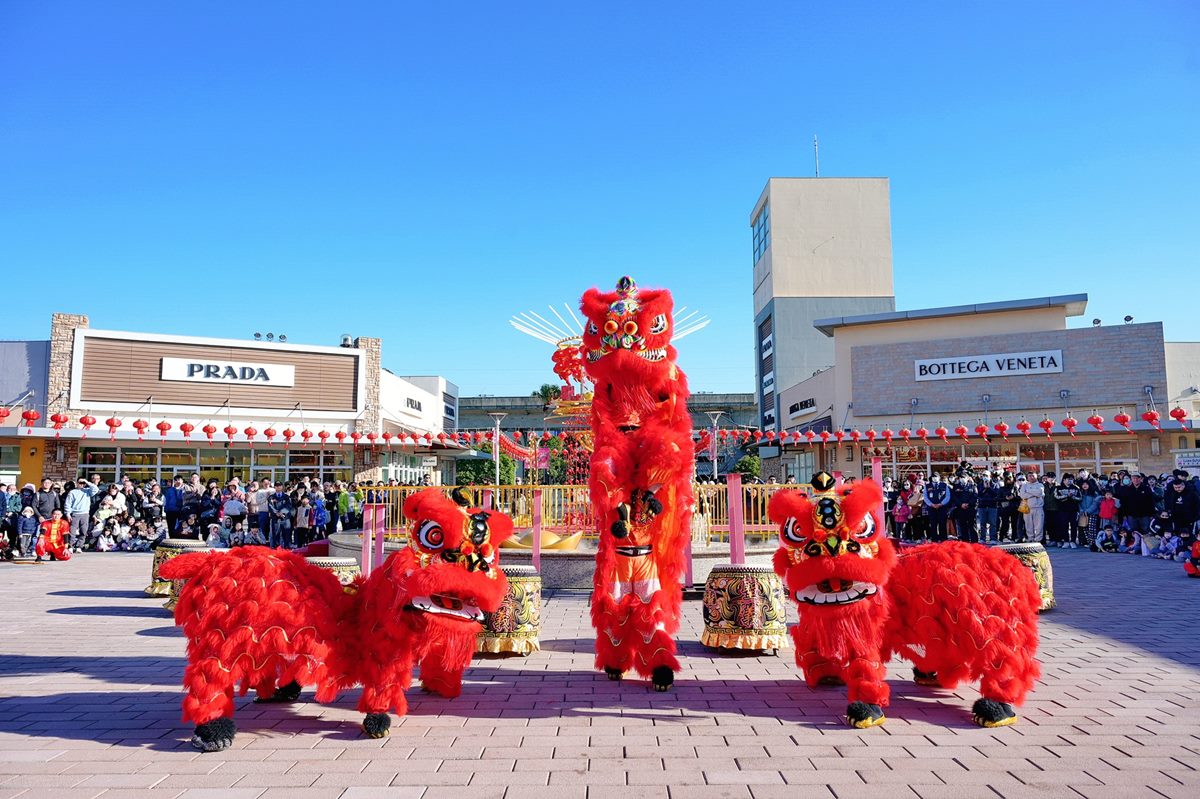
{"points": [[420, 172]]}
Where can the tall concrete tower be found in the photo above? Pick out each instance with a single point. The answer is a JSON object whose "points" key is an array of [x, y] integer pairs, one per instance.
{"points": [[822, 248]]}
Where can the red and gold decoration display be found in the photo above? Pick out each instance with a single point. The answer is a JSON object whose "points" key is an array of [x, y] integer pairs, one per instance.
{"points": [[744, 609], [515, 627]]}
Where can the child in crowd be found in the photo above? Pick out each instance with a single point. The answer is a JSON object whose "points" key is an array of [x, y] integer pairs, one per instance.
{"points": [[140, 537], [1130, 543], [304, 521], [1109, 506], [253, 537], [1170, 548], [215, 538], [28, 531], [189, 527], [105, 541], [1106, 539]]}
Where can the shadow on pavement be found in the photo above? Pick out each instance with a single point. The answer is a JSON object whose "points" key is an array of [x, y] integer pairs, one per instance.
{"points": [[155, 612], [105, 594]]}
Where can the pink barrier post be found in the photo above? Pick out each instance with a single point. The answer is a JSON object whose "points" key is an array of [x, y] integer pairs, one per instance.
{"points": [[688, 577], [737, 520], [380, 532], [367, 528], [537, 529], [487, 500]]}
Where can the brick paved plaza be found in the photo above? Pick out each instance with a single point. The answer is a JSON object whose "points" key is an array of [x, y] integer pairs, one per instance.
{"points": [[89, 706]]}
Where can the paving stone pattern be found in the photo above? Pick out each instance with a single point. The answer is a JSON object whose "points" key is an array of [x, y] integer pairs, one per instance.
{"points": [[89, 707]]}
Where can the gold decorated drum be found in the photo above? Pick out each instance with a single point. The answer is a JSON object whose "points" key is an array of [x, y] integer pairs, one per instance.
{"points": [[515, 625], [185, 545], [345, 569], [744, 608], [167, 549], [1034, 556]]}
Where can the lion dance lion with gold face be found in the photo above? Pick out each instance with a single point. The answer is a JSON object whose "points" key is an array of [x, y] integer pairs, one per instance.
{"points": [[640, 481], [957, 611], [267, 619]]}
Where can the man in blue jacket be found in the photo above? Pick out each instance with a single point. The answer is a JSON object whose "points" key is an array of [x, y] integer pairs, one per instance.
{"points": [[173, 503], [937, 498]]}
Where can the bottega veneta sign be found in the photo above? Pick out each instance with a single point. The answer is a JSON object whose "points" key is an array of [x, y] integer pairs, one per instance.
{"points": [[228, 372], [1004, 364]]}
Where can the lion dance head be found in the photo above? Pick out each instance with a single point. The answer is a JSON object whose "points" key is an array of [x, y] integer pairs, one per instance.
{"points": [[834, 553], [457, 550], [627, 330]]}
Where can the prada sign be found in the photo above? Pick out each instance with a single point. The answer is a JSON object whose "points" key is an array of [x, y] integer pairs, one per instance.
{"points": [[1004, 364], [228, 372]]}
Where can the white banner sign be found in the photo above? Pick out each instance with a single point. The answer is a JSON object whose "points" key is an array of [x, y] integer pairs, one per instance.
{"points": [[1004, 364], [196, 370]]}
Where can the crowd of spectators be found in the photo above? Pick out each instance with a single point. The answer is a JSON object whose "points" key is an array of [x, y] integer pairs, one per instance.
{"points": [[1124, 512], [125, 516]]}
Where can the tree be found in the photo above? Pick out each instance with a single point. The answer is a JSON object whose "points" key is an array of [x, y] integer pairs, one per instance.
{"points": [[548, 392], [750, 465], [479, 471]]}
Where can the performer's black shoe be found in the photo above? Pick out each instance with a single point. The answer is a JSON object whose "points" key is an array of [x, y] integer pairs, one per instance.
{"points": [[990, 713], [377, 725], [662, 678], [613, 674], [863, 715], [282, 695], [215, 735], [924, 677]]}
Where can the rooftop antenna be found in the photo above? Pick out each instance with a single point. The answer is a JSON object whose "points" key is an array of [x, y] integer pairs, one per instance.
{"points": [[816, 156]]}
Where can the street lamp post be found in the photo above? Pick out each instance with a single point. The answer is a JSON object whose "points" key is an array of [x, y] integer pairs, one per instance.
{"points": [[497, 417]]}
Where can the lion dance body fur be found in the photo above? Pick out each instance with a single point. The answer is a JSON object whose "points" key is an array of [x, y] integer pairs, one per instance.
{"points": [[267, 619], [959, 612], [640, 479]]}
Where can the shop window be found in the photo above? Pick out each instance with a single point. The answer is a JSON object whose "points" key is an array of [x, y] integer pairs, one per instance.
{"points": [[178, 458], [92, 456], [303, 458], [268, 459], [10, 458]]}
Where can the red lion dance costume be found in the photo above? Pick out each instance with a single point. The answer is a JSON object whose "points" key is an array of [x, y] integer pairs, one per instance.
{"points": [[267, 619], [640, 479], [957, 611]]}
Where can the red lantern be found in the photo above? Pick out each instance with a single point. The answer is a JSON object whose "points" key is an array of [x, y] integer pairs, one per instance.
{"points": [[340, 436], [30, 416], [230, 431], [824, 437], [981, 430], [809, 435], [855, 436], [4, 412], [905, 433], [163, 428], [1123, 419], [1070, 422], [961, 431], [758, 436], [516, 435], [140, 426], [270, 433], [1151, 417], [323, 435], [871, 434], [1096, 421], [428, 438], [923, 434], [113, 423], [1002, 429], [186, 428], [441, 437], [1180, 415], [1025, 427], [59, 419], [888, 435], [87, 421], [770, 435], [371, 438], [941, 433], [250, 434], [840, 435], [209, 430], [306, 436], [356, 436], [1047, 426], [387, 439]]}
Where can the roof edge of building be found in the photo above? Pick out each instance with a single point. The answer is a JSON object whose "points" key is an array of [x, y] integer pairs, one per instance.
{"points": [[1075, 305]]}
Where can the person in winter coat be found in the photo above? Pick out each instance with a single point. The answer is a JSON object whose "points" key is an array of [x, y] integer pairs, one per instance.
{"points": [[964, 503], [1033, 495], [1089, 505], [173, 504], [1137, 502], [988, 514], [1184, 508], [282, 511], [937, 501], [1011, 523], [29, 532], [47, 500], [1068, 497]]}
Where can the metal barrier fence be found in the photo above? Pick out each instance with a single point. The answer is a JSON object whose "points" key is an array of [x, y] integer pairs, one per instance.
{"points": [[566, 509]]}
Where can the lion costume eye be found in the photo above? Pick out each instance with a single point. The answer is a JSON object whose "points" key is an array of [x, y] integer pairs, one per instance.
{"points": [[430, 535], [792, 534], [659, 325], [868, 527], [595, 331]]}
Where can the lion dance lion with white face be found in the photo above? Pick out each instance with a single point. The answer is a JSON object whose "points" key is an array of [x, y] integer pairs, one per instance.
{"points": [[957, 611]]}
